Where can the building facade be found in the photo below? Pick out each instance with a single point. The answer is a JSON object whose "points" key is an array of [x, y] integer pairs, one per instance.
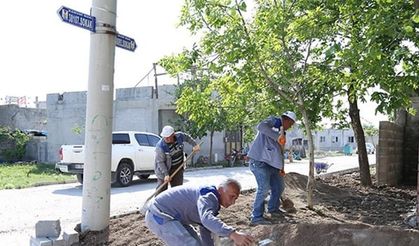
{"points": [[134, 109]]}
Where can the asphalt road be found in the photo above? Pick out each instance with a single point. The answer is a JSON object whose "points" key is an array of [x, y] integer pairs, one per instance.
{"points": [[21, 209]]}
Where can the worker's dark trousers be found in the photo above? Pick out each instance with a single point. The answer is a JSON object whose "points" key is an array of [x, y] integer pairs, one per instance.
{"points": [[176, 180]]}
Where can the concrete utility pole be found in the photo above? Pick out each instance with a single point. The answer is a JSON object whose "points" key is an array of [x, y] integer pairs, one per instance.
{"points": [[98, 138]]}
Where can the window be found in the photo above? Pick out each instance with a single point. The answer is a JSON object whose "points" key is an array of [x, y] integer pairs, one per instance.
{"points": [[147, 140], [153, 140], [350, 139], [335, 139], [120, 138], [322, 139], [142, 139]]}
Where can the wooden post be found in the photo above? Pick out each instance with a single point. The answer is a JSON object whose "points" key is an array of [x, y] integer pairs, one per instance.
{"points": [[156, 88]]}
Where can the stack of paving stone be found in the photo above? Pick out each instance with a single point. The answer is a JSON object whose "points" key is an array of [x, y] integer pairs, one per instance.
{"points": [[48, 233]]}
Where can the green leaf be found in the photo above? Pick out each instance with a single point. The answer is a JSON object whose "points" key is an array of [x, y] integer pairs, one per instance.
{"points": [[408, 29]]}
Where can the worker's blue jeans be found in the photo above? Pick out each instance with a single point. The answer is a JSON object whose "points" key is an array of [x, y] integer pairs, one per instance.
{"points": [[169, 230], [267, 178]]}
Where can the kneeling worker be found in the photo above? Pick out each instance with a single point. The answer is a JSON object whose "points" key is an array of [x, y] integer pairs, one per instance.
{"points": [[171, 214]]}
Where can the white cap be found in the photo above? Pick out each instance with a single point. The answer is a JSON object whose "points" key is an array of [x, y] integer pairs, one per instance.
{"points": [[167, 131], [290, 115]]}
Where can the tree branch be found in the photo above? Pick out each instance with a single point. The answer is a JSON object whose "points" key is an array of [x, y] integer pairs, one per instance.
{"points": [[268, 79]]}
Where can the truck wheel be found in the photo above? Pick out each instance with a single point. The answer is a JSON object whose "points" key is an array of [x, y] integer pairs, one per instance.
{"points": [[80, 178], [144, 176], [124, 174]]}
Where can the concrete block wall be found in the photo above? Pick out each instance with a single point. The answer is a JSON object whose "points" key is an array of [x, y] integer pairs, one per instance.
{"points": [[66, 112], [37, 150], [135, 109], [389, 153], [138, 110], [23, 118], [411, 145], [15, 117], [146, 113]]}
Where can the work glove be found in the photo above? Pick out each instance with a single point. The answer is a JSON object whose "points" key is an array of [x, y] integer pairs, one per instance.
{"points": [[282, 140], [167, 178], [196, 148]]}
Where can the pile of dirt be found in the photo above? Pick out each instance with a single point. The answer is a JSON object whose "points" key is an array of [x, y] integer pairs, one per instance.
{"points": [[345, 213]]}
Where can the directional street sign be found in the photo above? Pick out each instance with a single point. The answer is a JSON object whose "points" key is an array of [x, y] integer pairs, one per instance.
{"points": [[77, 18], [88, 22], [125, 42]]}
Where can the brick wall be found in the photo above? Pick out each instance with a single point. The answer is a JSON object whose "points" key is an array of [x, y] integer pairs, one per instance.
{"points": [[390, 153], [410, 146]]}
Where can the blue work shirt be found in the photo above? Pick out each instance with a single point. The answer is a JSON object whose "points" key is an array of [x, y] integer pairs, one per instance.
{"points": [[265, 147], [194, 205]]}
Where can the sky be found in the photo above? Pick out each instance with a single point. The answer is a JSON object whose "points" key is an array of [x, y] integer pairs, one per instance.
{"points": [[40, 54]]}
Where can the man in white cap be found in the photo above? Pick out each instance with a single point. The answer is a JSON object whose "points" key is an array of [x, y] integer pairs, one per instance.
{"points": [[267, 164], [169, 155]]}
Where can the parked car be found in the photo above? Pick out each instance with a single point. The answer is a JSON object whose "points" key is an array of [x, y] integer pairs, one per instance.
{"points": [[133, 153], [370, 148]]}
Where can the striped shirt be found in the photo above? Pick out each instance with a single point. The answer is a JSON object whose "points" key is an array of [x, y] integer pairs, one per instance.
{"points": [[176, 153]]}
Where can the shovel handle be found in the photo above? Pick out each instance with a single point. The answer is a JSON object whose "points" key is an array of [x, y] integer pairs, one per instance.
{"points": [[173, 174]]}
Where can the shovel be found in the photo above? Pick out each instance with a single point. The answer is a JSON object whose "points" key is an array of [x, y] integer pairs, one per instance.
{"points": [[145, 206]]}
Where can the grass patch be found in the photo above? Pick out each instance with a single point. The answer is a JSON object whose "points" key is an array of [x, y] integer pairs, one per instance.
{"points": [[23, 175]]}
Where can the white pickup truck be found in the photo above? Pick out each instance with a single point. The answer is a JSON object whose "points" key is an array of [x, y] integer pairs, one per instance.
{"points": [[132, 153]]}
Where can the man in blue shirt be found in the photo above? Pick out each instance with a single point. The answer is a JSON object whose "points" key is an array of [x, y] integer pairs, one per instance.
{"points": [[267, 164], [171, 214]]}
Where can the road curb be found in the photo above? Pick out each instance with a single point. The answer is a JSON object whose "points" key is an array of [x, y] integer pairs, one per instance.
{"points": [[190, 169], [346, 171]]}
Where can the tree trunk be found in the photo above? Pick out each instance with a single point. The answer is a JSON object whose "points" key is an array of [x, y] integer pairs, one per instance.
{"points": [[210, 153], [364, 167], [310, 182]]}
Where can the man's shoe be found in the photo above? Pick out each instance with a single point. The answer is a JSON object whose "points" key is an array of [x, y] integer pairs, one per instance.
{"points": [[260, 222], [279, 211], [276, 215]]}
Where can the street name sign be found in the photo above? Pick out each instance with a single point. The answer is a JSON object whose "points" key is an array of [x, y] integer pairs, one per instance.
{"points": [[88, 22], [76, 18], [125, 42]]}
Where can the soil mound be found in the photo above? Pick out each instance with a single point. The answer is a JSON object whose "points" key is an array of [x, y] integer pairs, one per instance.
{"points": [[333, 234], [345, 213]]}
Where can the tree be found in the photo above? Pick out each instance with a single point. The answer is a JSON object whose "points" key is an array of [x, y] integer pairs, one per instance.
{"points": [[264, 63], [13, 144], [370, 131], [196, 99], [374, 45]]}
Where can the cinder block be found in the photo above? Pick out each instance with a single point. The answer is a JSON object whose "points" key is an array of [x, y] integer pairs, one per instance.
{"points": [[40, 241], [48, 228], [70, 238], [58, 242]]}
